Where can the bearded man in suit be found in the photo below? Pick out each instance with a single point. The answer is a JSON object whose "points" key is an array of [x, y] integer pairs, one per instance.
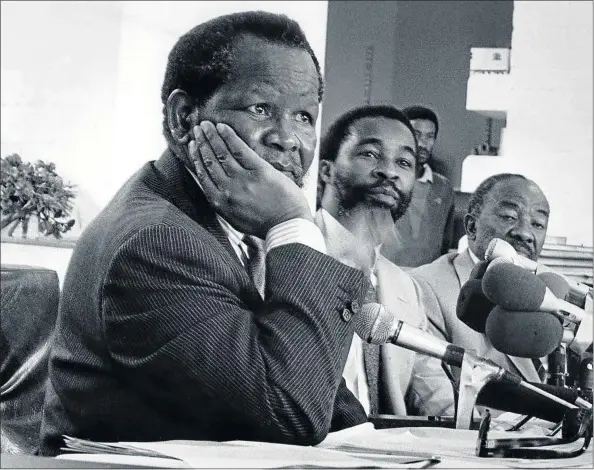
{"points": [[167, 329], [506, 206], [368, 160]]}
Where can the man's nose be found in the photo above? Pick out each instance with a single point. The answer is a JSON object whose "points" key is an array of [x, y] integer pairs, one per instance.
{"points": [[282, 137], [386, 170], [523, 230]]}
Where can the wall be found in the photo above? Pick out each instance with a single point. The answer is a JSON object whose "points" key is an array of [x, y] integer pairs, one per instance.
{"points": [[81, 82], [81, 87], [422, 55], [356, 28], [548, 136]]}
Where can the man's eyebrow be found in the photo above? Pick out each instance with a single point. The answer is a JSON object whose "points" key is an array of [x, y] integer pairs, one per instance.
{"points": [[509, 204], [513, 205], [370, 140]]}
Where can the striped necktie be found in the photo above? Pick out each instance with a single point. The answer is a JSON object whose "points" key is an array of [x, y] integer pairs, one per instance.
{"points": [[256, 261]]}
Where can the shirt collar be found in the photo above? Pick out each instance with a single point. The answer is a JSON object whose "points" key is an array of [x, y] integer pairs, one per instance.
{"points": [[234, 235], [427, 176], [340, 243], [473, 257]]}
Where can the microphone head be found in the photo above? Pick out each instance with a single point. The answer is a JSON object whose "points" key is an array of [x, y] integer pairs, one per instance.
{"points": [[556, 283], [374, 324], [479, 270], [499, 248], [513, 287], [523, 334], [473, 307]]}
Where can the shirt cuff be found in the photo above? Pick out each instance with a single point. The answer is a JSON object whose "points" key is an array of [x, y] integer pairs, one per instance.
{"points": [[301, 231]]}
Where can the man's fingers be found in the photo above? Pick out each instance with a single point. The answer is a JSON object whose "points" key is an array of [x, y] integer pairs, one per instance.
{"points": [[219, 148], [201, 172], [240, 151], [210, 163]]}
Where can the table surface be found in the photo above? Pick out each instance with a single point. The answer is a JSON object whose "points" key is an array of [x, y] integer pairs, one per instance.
{"points": [[31, 461]]}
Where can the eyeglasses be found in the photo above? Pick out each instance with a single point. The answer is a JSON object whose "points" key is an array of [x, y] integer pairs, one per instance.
{"points": [[527, 447]]}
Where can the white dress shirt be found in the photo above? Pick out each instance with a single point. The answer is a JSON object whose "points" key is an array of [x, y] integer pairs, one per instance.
{"points": [[340, 244]]}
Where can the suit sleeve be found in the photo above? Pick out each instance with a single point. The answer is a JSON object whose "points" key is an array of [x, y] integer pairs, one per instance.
{"points": [[179, 332], [431, 392]]}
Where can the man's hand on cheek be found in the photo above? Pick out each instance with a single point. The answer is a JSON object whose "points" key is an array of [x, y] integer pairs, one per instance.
{"points": [[241, 186]]}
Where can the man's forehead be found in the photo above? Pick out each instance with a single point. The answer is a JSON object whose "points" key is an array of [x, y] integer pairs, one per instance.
{"points": [[423, 124], [518, 191], [375, 126]]}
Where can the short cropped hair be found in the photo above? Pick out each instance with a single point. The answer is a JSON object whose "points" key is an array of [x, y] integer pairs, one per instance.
{"points": [[336, 134], [421, 112], [477, 200], [200, 61], [338, 131]]}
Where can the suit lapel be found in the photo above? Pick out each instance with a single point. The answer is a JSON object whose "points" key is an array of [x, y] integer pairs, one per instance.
{"points": [[390, 295], [178, 186], [463, 265]]}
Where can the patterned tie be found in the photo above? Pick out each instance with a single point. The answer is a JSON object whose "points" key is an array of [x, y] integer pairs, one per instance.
{"points": [[256, 261]]}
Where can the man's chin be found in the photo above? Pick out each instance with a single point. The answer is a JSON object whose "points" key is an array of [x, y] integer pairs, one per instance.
{"points": [[384, 201]]}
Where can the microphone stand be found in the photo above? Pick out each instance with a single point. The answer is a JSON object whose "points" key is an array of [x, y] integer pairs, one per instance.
{"points": [[558, 366]]}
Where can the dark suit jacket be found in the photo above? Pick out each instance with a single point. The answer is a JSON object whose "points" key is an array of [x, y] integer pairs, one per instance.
{"points": [[425, 231], [161, 334]]}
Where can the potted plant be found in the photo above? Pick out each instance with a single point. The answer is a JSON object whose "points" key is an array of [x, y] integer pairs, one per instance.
{"points": [[34, 191]]}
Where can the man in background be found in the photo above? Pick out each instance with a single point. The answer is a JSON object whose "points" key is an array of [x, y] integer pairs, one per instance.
{"points": [[506, 206], [200, 304], [425, 231], [367, 172]]}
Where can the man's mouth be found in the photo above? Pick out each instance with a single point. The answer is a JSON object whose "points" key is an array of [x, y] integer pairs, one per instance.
{"points": [[386, 193], [295, 175], [523, 250]]}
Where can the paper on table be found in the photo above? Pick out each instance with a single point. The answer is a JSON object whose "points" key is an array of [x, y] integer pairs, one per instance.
{"points": [[454, 446], [249, 454], [209, 454]]}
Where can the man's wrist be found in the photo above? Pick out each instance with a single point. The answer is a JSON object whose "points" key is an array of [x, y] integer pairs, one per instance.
{"points": [[297, 230]]}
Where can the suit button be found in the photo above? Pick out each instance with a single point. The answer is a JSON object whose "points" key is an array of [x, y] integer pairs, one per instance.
{"points": [[346, 315], [355, 307]]}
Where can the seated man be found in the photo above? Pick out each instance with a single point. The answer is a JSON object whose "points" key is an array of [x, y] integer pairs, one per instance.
{"points": [[425, 231], [162, 332], [367, 173], [506, 206]]}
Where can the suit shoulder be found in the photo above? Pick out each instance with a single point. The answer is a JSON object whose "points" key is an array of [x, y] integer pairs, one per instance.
{"points": [[443, 183], [430, 273]]}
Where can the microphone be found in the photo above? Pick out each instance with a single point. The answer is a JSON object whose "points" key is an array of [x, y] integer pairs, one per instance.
{"points": [[376, 325], [473, 307], [499, 248], [523, 334], [557, 370], [560, 287], [514, 288], [506, 397]]}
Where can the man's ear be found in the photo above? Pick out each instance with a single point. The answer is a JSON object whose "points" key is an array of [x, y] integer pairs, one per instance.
{"points": [[180, 117], [470, 226], [326, 168]]}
